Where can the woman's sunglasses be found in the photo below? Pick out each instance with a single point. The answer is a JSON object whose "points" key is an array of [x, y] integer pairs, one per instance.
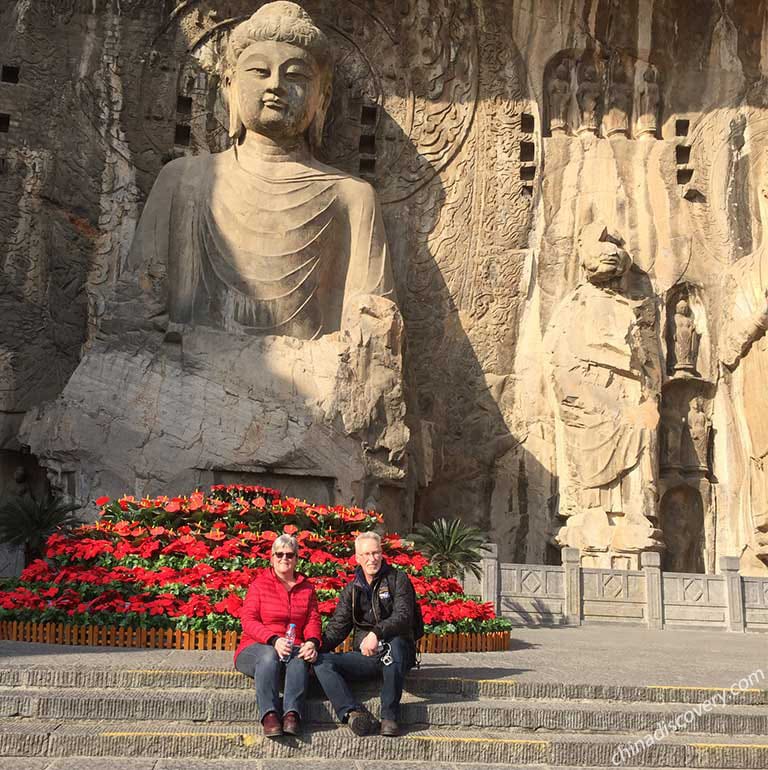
{"points": [[286, 555]]}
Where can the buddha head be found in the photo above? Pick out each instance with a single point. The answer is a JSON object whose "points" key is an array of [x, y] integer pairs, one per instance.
{"points": [[602, 256], [278, 74]]}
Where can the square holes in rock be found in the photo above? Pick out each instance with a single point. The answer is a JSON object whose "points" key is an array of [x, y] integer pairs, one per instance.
{"points": [[527, 124], [5, 123], [527, 151], [367, 144], [9, 74], [528, 173], [184, 106], [683, 154], [681, 127], [183, 135], [684, 175], [369, 114], [367, 166]]}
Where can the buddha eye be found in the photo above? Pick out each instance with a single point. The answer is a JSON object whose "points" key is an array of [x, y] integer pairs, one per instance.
{"points": [[297, 75]]}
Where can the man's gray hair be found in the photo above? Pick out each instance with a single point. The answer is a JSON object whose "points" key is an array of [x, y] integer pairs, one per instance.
{"points": [[284, 541], [368, 536]]}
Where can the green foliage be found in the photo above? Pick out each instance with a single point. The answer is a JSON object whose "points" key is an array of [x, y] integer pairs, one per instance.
{"points": [[451, 546], [28, 523]]}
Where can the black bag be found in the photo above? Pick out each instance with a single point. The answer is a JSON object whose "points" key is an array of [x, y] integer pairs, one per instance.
{"points": [[418, 622]]}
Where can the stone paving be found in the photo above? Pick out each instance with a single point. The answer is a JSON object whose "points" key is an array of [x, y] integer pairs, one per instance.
{"points": [[608, 655]]}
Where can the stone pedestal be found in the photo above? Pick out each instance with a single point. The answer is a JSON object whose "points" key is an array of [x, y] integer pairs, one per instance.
{"points": [[218, 407]]}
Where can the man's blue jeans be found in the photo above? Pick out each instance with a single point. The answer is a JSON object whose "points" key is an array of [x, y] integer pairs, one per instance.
{"points": [[333, 670], [260, 662]]}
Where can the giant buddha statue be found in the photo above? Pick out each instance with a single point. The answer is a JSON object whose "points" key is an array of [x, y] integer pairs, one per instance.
{"points": [[261, 238], [253, 334]]}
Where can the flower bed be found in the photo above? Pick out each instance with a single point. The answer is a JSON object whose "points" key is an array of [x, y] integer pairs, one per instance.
{"points": [[183, 564]]}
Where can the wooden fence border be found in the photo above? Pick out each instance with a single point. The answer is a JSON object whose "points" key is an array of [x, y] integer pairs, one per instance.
{"points": [[173, 639]]}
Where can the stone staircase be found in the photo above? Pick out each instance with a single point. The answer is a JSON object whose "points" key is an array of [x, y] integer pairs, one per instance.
{"points": [[162, 719]]}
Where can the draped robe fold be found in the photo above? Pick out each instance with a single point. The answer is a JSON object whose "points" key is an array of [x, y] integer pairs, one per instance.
{"points": [[277, 248]]}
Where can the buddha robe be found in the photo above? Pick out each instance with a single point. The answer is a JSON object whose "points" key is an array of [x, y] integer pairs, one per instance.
{"points": [[606, 422], [279, 247], [746, 347]]}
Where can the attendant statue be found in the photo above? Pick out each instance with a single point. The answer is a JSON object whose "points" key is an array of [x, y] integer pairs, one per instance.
{"points": [[744, 355], [671, 435], [685, 339], [619, 104], [559, 93], [605, 371], [261, 238], [649, 98], [699, 429], [589, 97]]}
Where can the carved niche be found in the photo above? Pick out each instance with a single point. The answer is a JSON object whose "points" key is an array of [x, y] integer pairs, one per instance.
{"points": [[588, 94]]}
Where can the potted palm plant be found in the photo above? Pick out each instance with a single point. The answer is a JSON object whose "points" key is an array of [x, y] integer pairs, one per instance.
{"points": [[452, 546], [27, 522]]}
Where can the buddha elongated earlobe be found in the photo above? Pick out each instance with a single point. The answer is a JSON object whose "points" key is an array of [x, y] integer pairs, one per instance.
{"points": [[315, 132]]}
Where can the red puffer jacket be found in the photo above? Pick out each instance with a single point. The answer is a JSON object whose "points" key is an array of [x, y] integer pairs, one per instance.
{"points": [[269, 607]]}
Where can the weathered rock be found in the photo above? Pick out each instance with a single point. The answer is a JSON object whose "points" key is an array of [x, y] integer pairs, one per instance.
{"points": [[465, 117]]}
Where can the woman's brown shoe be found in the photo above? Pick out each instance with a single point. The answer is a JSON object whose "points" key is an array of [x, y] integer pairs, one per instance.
{"points": [[271, 725], [291, 724]]}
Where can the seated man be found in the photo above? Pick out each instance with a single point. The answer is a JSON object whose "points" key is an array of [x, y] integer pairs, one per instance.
{"points": [[380, 605]]}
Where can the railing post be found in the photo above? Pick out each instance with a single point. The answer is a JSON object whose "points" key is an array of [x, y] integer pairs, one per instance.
{"points": [[734, 598], [650, 561], [490, 586], [572, 585]]}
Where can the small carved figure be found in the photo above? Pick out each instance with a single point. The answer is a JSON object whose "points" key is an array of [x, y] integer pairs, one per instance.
{"points": [[699, 429], [559, 93], [649, 98], [671, 437], [686, 339], [619, 105], [589, 96]]}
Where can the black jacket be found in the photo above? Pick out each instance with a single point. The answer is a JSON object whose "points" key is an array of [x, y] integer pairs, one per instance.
{"points": [[387, 608]]}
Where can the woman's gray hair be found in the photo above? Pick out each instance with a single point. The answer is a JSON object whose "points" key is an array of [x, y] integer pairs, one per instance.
{"points": [[286, 541], [368, 536]]}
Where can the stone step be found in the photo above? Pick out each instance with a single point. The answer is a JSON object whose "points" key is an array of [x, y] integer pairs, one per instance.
{"points": [[53, 738], [151, 763], [237, 706], [419, 682]]}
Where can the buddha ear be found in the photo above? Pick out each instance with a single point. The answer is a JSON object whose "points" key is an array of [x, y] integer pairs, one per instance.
{"points": [[233, 104], [315, 132]]}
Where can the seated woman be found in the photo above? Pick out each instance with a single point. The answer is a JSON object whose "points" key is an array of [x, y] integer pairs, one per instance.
{"points": [[279, 596]]}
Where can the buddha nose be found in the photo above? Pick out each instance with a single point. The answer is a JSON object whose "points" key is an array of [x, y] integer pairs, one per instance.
{"points": [[274, 82]]}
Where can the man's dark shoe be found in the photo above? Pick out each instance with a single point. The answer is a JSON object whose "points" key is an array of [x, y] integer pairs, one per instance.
{"points": [[272, 726], [389, 728], [291, 724], [359, 722]]}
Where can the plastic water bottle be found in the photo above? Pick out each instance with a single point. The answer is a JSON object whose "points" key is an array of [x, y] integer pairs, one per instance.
{"points": [[290, 636]]}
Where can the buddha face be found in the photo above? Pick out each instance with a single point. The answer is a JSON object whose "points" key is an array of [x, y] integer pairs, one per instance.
{"points": [[278, 89], [605, 262]]}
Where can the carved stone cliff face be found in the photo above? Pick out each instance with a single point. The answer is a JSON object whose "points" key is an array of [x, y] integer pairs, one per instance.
{"points": [[492, 132]]}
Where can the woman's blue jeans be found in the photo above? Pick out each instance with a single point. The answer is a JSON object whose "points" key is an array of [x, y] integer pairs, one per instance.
{"points": [[260, 662]]}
